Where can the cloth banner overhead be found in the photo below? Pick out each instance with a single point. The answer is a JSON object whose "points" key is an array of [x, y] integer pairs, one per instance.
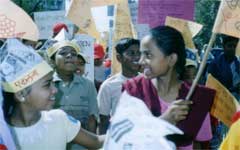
{"points": [[15, 22], [188, 29], [228, 18], [154, 12], [224, 104]]}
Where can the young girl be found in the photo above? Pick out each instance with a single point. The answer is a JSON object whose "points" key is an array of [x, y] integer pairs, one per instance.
{"points": [[28, 98], [163, 58]]}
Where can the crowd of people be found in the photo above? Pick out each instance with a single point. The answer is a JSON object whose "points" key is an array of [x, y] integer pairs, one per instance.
{"points": [[49, 103]]}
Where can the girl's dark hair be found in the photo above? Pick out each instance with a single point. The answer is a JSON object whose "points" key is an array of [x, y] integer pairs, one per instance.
{"points": [[9, 101], [9, 104], [169, 40]]}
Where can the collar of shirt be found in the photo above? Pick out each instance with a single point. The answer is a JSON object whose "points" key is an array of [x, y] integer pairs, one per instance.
{"points": [[76, 79]]}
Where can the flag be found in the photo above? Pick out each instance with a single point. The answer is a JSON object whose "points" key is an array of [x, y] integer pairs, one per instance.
{"points": [[15, 22], [224, 105], [231, 142], [79, 13], [188, 29], [228, 18]]}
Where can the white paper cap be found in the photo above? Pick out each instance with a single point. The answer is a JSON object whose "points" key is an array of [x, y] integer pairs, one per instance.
{"points": [[52, 50], [62, 36], [20, 66]]}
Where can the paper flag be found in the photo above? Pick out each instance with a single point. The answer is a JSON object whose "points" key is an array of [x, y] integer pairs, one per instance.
{"points": [[188, 29], [228, 18], [14, 22], [224, 104]]}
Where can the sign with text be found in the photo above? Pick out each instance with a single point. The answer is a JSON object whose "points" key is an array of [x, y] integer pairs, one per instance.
{"points": [[224, 104], [141, 29], [228, 18], [47, 19], [86, 43], [154, 12], [15, 22]]}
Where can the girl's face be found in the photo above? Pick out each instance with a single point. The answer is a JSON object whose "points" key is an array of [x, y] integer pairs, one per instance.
{"points": [[65, 59], [154, 61], [41, 96]]}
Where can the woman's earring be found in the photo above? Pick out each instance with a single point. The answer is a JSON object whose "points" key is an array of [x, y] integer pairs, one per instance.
{"points": [[22, 99]]}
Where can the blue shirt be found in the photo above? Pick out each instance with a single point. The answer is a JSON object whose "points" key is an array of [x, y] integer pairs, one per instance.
{"points": [[78, 99], [226, 71]]}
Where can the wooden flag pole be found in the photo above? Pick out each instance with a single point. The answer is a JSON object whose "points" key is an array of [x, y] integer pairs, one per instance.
{"points": [[202, 66]]}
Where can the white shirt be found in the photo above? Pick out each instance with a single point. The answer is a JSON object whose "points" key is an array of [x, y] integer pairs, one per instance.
{"points": [[52, 132], [109, 94]]}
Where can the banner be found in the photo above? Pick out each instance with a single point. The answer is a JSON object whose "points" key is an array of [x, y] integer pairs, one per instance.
{"points": [[188, 29], [79, 13], [123, 29], [228, 18], [154, 12], [86, 43], [15, 22], [225, 104], [47, 19]]}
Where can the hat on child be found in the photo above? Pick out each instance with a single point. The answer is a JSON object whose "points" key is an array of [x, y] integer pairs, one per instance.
{"points": [[52, 50], [20, 66]]}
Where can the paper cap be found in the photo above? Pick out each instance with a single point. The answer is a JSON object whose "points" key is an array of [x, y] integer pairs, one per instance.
{"points": [[191, 59], [83, 57], [20, 66], [62, 35], [58, 27], [52, 50]]}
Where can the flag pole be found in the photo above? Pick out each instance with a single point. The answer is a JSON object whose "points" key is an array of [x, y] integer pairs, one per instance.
{"points": [[202, 66]]}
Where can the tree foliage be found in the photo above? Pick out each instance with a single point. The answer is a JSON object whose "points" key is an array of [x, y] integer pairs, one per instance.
{"points": [[205, 14]]}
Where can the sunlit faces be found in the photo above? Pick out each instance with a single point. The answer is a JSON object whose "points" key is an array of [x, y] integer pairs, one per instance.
{"points": [[41, 95], [131, 57], [66, 58], [154, 61]]}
